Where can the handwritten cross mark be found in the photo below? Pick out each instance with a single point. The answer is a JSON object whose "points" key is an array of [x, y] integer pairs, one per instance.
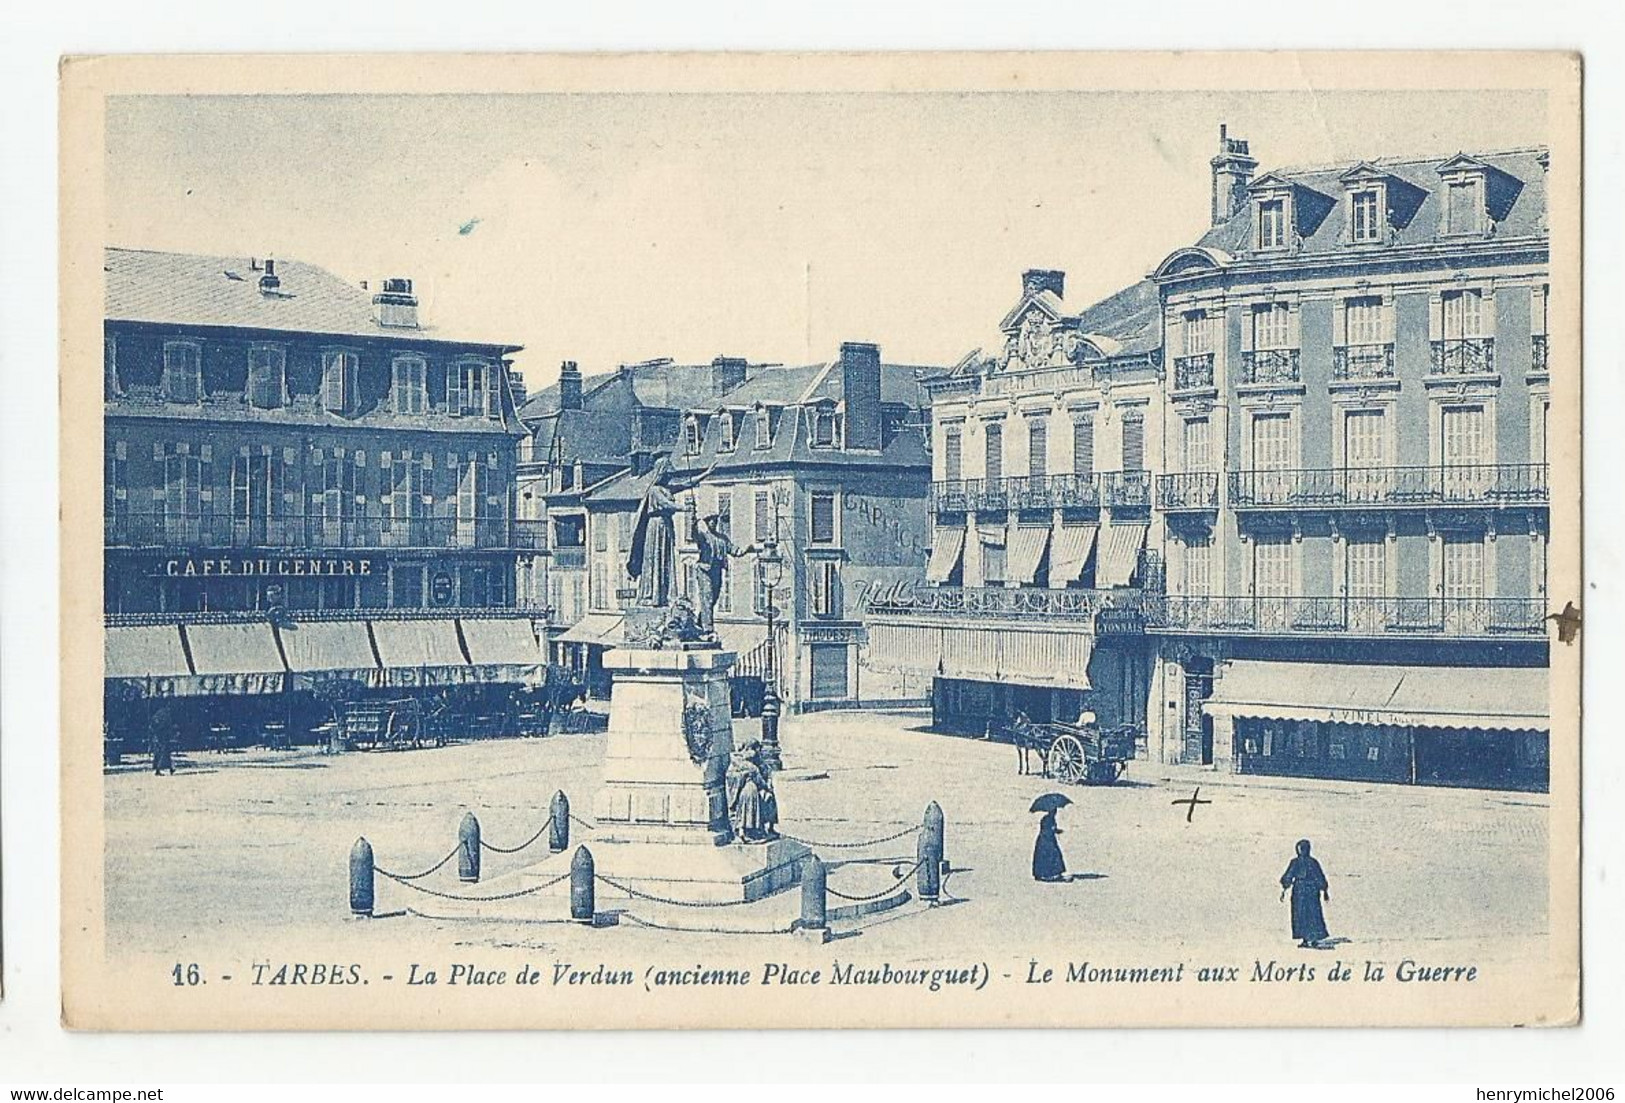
{"points": [[1191, 802], [1568, 622]]}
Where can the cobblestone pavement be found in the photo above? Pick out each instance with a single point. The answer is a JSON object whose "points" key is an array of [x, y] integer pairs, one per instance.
{"points": [[247, 853]]}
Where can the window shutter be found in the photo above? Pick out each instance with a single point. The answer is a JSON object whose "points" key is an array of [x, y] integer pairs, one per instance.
{"points": [[454, 390], [1250, 322], [1486, 306], [1436, 317], [1340, 322], [1133, 442], [1294, 338]]}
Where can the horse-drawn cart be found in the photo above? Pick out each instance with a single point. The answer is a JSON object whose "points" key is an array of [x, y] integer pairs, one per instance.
{"points": [[389, 725], [1076, 754]]}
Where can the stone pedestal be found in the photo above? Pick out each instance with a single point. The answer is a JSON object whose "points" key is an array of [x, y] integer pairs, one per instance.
{"points": [[662, 815]]}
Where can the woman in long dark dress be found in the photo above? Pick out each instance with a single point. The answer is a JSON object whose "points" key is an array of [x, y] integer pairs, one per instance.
{"points": [[1048, 864], [1308, 884]]}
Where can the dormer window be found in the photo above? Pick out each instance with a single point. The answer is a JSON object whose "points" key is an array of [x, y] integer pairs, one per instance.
{"points": [[730, 433], [764, 428], [467, 389], [409, 385], [823, 435], [183, 371], [339, 381], [1365, 216], [1272, 224], [691, 437], [267, 376], [1464, 207]]}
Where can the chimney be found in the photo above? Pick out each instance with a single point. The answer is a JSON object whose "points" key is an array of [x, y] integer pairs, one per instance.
{"points": [[1232, 172], [860, 387], [727, 372], [269, 281], [395, 306], [1035, 280], [516, 384], [569, 386]]}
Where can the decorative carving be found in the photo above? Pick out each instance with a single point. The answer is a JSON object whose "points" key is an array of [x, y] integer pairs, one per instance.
{"points": [[697, 731]]}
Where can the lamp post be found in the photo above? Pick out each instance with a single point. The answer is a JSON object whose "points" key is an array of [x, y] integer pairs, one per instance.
{"points": [[772, 568]]}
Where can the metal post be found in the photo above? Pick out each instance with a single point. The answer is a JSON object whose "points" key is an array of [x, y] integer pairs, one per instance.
{"points": [[772, 759], [468, 849], [814, 904], [582, 876], [361, 888], [928, 851], [558, 832]]}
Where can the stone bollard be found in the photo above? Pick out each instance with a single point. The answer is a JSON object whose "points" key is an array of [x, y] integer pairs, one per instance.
{"points": [[814, 903], [582, 876], [468, 849], [558, 833], [361, 894], [928, 878]]}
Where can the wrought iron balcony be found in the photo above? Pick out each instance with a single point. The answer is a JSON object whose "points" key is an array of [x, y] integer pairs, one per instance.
{"points": [[522, 610], [1193, 373], [1464, 356], [1461, 484], [1019, 492], [1355, 362], [1537, 353], [1126, 489], [297, 531], [1270, 366], [1384, 617], [1188, 490]]}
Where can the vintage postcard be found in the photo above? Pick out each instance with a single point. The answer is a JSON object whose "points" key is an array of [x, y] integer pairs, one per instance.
{"points": [[838, 541]]}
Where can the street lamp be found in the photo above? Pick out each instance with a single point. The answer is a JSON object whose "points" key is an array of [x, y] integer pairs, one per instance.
{"points": [[772, 567]]}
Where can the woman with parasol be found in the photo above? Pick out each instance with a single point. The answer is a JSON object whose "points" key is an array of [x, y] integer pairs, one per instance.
{"points": [[1048, 863]]}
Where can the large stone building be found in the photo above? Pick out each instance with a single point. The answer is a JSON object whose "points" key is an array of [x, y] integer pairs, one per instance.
{"points": [[285, 449], [1360, 350], [1041, 513], [1326, 418]]}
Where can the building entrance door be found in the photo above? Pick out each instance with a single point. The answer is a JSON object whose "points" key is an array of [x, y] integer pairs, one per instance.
{"points": [[1198, 748]]}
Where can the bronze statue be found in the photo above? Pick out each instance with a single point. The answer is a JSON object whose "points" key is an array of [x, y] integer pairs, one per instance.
{"points": [[652, 559]]}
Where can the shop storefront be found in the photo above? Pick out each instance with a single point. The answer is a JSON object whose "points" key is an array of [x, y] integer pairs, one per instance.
{"points": [[1407, 724]]}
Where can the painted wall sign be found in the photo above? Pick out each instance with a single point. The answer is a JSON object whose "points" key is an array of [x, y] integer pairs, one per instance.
{"points": [[227, 566]]}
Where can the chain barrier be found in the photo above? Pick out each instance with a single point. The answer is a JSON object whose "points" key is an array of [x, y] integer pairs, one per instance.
{"points": [[630, 891], [405, 877], [583, 823], [851, 846], [521, 846], [476, 899], [887, 891]]}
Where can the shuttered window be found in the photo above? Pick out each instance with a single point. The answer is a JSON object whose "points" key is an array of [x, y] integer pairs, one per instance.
{"points": [[1083, 445], [1197, 457], [1364, 439], [1133, 442], [823, 518], [1272, 566], [828, 662], [1199, 565], [339, 380], [1463, 314], [763, 528], [953, 454], [409, 386], [183, 379], [1272, 442], [1367, 568], [994, 442], [1037, 447]]}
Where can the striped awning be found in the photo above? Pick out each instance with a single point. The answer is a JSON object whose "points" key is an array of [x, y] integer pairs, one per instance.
{"points": [[947, 548], [1038, 657], [1027, 544], [1120, 546], [1069, 549], [911, 648], [1045, 657]]}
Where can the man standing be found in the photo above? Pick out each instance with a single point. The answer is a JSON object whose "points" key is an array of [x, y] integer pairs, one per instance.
{"points": [[163, 741], [714, 549]]}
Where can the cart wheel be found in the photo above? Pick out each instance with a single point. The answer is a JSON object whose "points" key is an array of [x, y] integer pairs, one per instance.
{"points": [[1066, 760]]}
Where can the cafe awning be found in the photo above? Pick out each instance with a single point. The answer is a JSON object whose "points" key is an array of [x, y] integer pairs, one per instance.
{"points": [[947, 547], [1045, 657], [421, 653], [1027, 544], [1069, 550], [914, 648], [1037, 656], [321, 650], [149, 661], [1509, 699], [599, 629], [236, 658], [502, 648], [1119, 552]]}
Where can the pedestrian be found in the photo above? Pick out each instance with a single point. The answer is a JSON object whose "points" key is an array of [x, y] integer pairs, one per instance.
{"points": [[163, 741], [1308, 884], [1048, 862]]}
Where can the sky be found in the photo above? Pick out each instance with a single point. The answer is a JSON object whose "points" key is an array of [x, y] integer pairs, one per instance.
{"points": [[613, 228]]}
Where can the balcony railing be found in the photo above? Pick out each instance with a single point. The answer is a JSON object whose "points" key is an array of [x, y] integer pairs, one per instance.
{"points": [[1354, 362], [1192, 373], [1188, 490], [1464, 484], [1537, 353], [1126, 489], [1020, 492], [1464, 356], [519, 611], [1270, 366], [570, 558], [162, 529], [1391, 617]]}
